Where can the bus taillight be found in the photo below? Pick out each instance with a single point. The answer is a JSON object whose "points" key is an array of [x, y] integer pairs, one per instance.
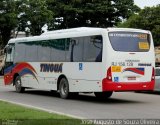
{"points": [[153, 74], [109, 74]]}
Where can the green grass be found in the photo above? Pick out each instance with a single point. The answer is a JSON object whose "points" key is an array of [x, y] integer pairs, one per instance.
{"points": [[18, 115]]}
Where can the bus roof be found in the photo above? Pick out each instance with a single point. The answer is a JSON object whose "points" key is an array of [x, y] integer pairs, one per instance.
{"points": [[90, 29], [73, 32], [80, 29]]}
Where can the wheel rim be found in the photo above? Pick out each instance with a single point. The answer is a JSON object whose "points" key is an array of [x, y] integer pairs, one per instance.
{"points": [[64, 88], [18, 85]]}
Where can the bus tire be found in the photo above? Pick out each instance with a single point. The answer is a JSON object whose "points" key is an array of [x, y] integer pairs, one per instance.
{"points": [[64, 88], [18, 85], [103, 95]]}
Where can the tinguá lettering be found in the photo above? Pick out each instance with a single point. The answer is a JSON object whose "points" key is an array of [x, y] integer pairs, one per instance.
{"points": [[50, 67]]}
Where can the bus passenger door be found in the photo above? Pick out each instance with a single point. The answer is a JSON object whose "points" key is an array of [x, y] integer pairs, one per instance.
{"points": [[8, 66]]}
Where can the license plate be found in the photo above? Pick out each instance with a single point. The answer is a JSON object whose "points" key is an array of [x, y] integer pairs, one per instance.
{"points": [[131, 78]]}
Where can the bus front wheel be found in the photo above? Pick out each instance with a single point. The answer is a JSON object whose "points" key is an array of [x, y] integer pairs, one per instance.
{"points": [[103, 95], [18, 85], [64, 88]]}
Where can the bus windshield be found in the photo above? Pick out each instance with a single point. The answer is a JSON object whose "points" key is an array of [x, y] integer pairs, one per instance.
{"points": [[130, 41]]}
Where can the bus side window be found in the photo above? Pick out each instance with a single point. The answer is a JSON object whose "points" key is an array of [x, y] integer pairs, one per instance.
{"points": [[44, 52], [31, 52], [76, 49], [93, 49], [99, 57], [58, 50], [19, 52]]}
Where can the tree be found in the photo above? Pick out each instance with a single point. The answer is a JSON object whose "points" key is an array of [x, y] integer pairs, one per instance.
{"points": [[60, 14], [148, 19], [8, 19], [93, 13], [34, 15]]}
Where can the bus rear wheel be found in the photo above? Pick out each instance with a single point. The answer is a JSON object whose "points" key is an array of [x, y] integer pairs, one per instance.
{"points": [[18, 85], [64, 88], [103, 95]]}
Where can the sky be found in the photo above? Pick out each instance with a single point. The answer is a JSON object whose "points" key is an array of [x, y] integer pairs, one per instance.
{"points": [[148, 3]]}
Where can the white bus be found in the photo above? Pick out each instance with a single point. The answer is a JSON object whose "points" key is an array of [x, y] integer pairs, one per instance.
{"points": [[99, 60]]}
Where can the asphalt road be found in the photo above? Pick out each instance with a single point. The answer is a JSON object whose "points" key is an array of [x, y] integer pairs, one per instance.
{"points": [[122, 105]]}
